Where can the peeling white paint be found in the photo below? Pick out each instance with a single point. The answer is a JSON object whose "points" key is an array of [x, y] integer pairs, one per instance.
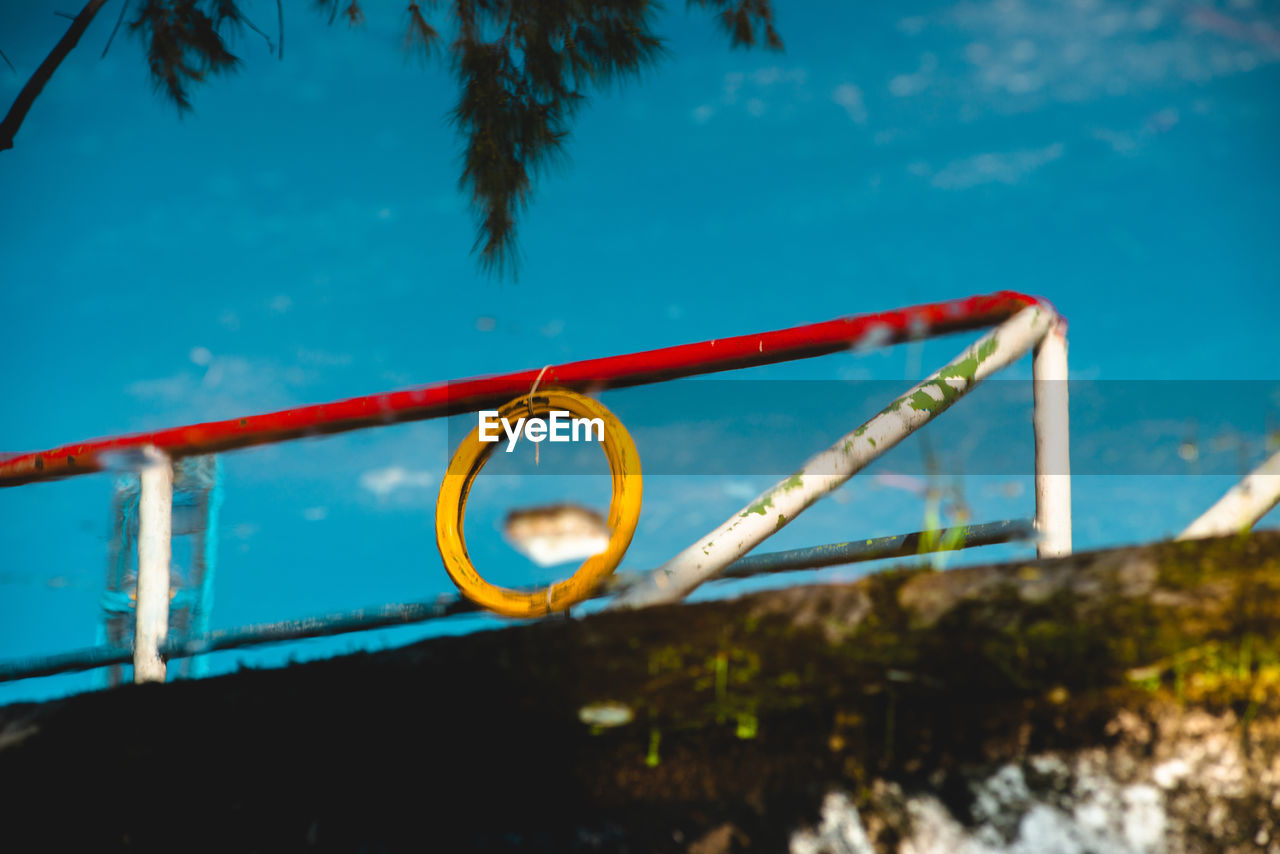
{"points": [[822, 473]]}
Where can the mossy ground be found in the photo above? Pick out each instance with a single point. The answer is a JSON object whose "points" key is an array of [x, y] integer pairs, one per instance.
{"points": [[742, 713]]}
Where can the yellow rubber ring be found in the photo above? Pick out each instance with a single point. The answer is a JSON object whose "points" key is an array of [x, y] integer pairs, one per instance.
{"points": [[624, 510]]}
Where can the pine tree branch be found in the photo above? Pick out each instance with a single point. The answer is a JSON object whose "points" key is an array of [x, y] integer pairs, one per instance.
{"points": [[271, 46], [22, 104], [184, 45], [115, 29]]}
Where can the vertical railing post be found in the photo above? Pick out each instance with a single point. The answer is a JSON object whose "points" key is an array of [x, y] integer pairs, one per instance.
{"points": [[1053, 447], [155, 523]]}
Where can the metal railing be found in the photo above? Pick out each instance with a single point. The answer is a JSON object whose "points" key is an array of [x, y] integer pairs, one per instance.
{"points": [[444, 606], [1022, 324]]}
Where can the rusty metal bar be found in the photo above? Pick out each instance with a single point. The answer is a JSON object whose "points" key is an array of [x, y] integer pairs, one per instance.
{"points": [[390, 616]]}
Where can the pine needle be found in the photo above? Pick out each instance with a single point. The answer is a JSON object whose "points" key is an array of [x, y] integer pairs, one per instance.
{"points": [[115, 29], [420, 37]]}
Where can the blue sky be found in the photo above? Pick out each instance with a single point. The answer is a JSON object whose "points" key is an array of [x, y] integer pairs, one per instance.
{"points": [[300, 237]]}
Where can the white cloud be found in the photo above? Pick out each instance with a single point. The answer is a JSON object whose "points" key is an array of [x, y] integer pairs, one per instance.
{"points": [[1007, 167], [323, 358], [913, 25], [906, 482], [1121, 142], [766, 77], [556, 533], [732, 83], [849, 97], [386, 481], [1070, 52], [1023, 51], [906, 85], [167, 389], [1133, 139], [767, 89], [228, 387], [741, 490]]}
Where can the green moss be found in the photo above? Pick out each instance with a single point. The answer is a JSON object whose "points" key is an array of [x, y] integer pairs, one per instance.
{"points": [[965, 369], [747, 725], [788, 680], [652, 757], [1086, 647]]}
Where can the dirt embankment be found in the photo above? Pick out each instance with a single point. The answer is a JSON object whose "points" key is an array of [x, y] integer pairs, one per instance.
{"points": [[1126, 700]]}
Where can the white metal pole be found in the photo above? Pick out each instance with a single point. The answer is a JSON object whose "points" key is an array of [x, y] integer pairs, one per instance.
{"points": [[827, 470], [155, 522], [1242, 506], [1053, 446]]}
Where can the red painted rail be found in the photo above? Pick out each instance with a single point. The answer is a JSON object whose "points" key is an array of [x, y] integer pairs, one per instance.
{"points": [[449, 398]]}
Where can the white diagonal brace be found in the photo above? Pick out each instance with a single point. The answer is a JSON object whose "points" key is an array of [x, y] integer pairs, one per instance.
{"points": [[1242, 506], [827, 470]]}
